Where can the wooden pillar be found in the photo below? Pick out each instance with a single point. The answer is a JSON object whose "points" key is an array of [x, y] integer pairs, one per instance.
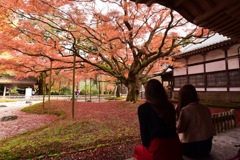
{"points": [[204, 72], [99, 90], [239, 57], [227, 72], [4, 91], [85, 90], [187, 70], [90, 90]]}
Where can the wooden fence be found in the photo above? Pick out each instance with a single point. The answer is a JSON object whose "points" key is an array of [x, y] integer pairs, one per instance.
{"points": [[224, 121]]}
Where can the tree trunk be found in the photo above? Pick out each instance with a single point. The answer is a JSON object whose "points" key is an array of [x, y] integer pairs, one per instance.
{"points": [[133, 90], [73, 86], [118, 92], [40, 84], [44, 88], [50, 83]]}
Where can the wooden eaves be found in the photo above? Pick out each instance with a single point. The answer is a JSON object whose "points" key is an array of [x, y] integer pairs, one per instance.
{"points": [[221, 16]]}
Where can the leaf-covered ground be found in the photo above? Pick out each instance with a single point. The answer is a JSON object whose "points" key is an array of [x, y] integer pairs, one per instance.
{"points": [[106, 130], [24, 122], [111, 127]]}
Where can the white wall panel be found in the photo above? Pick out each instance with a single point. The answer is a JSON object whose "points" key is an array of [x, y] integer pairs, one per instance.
{"points": [[233, 63], [195, 59], [217, 89], [234, 89], [200, 89], [215, 54], [196, 69], [183, 61], [179, 71], [233, 50], [216, 66]]}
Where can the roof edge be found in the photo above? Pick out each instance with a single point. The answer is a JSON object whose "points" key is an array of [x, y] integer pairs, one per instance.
{"points": [[206, 49]]}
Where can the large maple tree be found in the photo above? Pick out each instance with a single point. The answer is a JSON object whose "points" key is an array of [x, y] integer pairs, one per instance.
{"points": [[127, 41]]}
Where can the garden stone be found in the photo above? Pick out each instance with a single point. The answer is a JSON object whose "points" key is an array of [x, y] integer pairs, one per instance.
{"points": [[9, 118]]}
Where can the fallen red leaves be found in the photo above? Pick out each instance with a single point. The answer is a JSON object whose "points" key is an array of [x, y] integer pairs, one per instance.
{"points": [[114, 113], [23, 123], [113, 110]]}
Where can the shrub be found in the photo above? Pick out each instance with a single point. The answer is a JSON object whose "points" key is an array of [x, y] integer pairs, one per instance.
{"points": [[94, 92], [83, 92], [54, 93], [65, 91]]}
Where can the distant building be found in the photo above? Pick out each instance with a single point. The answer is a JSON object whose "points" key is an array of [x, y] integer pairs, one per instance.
{"points": [[9, 82], [212, 67]]}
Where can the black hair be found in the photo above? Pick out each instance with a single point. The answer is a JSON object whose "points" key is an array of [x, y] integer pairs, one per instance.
{"points": [[157, 97], [187, 94]]}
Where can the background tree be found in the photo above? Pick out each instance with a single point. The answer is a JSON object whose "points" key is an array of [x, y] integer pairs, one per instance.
{"points": [[127, 41]]}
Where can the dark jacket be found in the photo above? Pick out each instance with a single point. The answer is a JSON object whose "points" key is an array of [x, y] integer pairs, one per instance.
{"points": [[152, 126]]}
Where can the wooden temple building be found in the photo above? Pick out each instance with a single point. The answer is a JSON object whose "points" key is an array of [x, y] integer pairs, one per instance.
{"points": [[8, 82], [212, 67]]}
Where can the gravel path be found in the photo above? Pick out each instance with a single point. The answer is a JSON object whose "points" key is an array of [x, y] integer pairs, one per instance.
{"points": [[24, 122], [6, 108]]}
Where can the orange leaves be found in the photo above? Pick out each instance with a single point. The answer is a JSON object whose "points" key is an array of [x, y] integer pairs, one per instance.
{"points": [[116, 38], [200, 32]]}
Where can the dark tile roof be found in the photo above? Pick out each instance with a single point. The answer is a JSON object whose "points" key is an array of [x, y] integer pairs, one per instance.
{"points": [[12, 80], [205, 49], [217, 41]]}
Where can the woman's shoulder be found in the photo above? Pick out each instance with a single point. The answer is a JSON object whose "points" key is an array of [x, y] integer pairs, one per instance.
{"points": [[170, 104], [144, 106], [195, 106]]}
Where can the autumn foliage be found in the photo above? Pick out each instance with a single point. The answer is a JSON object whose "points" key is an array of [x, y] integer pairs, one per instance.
{"points": [[126, 41]]}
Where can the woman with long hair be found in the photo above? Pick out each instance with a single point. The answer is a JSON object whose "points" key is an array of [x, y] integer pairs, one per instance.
{"points": [[194, 123], [157, 119]]}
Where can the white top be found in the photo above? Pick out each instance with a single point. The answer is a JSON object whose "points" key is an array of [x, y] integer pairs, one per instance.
{"points": [[195, 123]]}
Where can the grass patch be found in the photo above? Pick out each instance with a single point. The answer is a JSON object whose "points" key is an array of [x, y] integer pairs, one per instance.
{"points": [[218, 104], [96, 125], [38, 109], [7, 100], [116, 98], [222, 104]]}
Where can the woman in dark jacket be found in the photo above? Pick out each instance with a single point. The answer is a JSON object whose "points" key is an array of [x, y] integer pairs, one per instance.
{"points": [[157, 119]]}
